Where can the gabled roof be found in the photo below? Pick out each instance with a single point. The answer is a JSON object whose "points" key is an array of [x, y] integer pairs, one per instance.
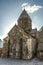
{"points": [[34, 30], [24, 14], [41, 29], [17, 29], [6, 38], [14, 28]]}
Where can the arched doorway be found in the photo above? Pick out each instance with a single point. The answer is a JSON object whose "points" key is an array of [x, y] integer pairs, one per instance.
{"points": [[20, 42], [8, 49]]}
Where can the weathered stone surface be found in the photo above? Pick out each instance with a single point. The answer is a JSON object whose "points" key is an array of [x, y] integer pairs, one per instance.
{"points": [[28, 48], [25, 21]]}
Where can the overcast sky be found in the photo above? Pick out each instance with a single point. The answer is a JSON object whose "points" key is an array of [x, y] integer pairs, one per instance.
{"points": [[10, 10]]}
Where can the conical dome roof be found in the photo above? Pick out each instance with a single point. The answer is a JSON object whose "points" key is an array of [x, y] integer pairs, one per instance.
{"points": [[24, 14], [41, 29]]}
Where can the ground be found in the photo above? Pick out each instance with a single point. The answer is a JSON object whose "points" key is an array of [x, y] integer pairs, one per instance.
{"points": [[8, 61]]}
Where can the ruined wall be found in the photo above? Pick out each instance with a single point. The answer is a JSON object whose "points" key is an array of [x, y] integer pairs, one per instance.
{"points": [[5, 47], [40, 44]]}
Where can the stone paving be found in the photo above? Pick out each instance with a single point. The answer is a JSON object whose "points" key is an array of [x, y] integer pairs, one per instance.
{"points": [[8, 61]]}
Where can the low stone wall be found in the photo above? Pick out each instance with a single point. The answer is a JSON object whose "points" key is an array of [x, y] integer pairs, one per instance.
{"points": [[0, 51], [40, 55]]}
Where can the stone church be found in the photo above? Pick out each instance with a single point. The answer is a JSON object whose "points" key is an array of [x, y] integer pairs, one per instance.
{"points": [[22, 41]]}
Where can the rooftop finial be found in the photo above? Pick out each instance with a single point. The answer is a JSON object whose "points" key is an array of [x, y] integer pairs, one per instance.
{"points": [[24, 5]]}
